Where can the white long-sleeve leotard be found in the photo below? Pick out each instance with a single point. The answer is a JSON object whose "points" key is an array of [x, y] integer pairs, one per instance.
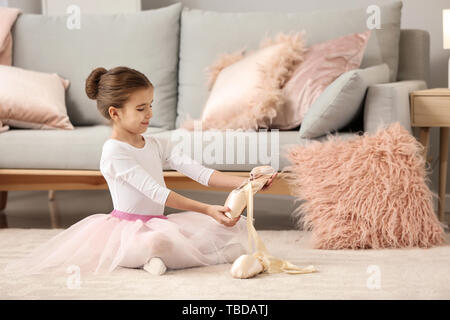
{"points": [[135, 175]]}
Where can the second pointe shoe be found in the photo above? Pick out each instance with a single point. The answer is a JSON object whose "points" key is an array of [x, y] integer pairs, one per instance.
{"points": [[155, 266], [246, 266]]}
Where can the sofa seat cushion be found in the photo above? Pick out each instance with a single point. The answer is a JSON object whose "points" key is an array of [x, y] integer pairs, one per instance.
{"points": [[78, 149], [61, 149], [237, 151]]}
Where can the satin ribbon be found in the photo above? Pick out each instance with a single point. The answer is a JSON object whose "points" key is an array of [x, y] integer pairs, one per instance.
{"points": [[269, 262]]}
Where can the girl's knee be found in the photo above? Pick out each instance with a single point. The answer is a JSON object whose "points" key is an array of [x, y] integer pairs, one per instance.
{"points": [[161, 244]]}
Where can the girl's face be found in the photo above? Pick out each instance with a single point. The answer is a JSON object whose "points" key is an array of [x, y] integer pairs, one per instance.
{"points": [[136, 112]]}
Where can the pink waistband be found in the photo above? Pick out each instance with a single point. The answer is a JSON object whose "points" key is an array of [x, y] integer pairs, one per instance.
{"points": [[134, 216]]}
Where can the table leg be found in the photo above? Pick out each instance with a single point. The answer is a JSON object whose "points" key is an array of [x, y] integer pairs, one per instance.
{"points": [[54, 215], [424, 137], [443, 151], [3, 220], [3, 199]]}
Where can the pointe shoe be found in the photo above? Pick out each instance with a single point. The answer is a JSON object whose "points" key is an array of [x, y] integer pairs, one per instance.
{"points": [[155, 266], [237, 199], [246, 266]]}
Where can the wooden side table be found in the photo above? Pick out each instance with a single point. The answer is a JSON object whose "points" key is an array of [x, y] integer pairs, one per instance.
{"points": [[431, 108]]}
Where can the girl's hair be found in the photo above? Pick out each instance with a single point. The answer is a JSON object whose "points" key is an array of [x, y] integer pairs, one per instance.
{"points": [[113, 87]]}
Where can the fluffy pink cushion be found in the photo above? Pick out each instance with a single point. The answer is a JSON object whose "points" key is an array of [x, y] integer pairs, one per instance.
{"points": [[369, 191], [34, 100], [323, 63], [246, 90]]}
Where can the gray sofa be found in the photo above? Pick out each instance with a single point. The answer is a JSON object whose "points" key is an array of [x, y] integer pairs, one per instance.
{"points": [[172, 46]]}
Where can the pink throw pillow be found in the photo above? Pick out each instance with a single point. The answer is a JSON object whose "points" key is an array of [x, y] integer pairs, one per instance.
{"points": [[246, 90], [323, 63], [33, 100], [365, 192]]}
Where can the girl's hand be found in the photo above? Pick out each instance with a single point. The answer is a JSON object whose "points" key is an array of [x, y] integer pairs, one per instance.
{"points": [[218, 213], [269, 182]]}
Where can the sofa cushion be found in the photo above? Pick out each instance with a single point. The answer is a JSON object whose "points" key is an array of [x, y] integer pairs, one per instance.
{"points": [[146, 41], [30, 99], [238, 150], [32, 149], [341, 101], [323, 63], [207, 34], [247, 94], [55, 149], [370, 192]]}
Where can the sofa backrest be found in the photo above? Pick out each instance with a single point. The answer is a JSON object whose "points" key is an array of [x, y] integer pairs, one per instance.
{"points": [[175, 60], [207, 34], [146, 41], [414, 55]]}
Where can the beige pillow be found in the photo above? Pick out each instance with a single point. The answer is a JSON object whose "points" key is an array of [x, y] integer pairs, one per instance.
{"points": [[246, 90], [33, 100]]}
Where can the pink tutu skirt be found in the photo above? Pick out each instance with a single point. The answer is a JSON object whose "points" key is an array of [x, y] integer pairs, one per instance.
{"points": [[102, 242]]}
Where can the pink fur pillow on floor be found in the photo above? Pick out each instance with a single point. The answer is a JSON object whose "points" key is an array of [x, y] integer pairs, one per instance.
{"points": [[369, 191]]}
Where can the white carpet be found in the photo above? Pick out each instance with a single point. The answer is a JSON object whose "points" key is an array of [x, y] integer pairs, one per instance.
{"points": [[343, 274]]}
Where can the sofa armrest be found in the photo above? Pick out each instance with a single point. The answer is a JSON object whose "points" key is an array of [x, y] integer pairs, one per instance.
{"points": [[387, 103]]}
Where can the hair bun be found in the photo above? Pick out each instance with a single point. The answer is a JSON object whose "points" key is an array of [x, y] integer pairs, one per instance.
{"points": [[92, 82]]}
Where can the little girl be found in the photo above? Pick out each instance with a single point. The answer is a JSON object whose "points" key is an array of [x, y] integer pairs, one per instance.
{"points": [[136, 234]]}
